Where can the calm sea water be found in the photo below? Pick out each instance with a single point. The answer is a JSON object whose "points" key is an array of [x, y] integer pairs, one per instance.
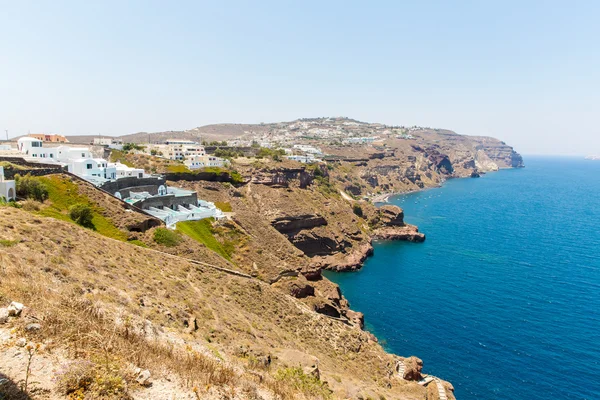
{"points": [[503, 298]]}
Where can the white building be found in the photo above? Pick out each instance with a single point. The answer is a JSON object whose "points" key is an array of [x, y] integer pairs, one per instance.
{"points": [[177, 149], [33, 147], [78, 160], [197, 161], [8, 189], [106, 141], [360, 140], [123, 170], [305, 159], [307, 149], [92, 167]]}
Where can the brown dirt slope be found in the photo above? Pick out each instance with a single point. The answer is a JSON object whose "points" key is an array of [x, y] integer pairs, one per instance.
{"points": [[101, 299]]}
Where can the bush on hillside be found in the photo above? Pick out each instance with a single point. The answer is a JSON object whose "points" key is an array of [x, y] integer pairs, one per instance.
{"points": [[30, 187], [357, 209], [82, 214], [166, 237], [127, 147]]}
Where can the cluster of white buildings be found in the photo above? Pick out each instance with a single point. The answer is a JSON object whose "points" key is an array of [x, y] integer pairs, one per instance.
{"points": [[78, 160], [110, 142], [170, 204], [191, 153], [304, 159], [308, 149], [360, 140]]}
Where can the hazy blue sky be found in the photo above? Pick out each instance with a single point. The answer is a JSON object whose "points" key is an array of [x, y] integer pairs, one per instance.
{"points": [[527, 72]]}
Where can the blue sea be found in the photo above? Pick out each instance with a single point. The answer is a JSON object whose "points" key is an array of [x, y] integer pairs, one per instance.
{"points": [[503, 298]]}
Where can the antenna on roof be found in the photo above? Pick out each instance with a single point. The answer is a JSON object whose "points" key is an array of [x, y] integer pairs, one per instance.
{"points": [[6, 130]]}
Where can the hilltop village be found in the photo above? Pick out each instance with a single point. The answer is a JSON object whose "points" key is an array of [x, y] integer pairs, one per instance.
{"points": [[196, 257]]}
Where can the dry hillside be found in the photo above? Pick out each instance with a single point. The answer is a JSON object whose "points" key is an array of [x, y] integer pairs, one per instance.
{"points": [[98, 308]]}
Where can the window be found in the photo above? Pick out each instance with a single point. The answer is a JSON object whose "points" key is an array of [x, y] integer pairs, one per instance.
{"points": [[89, 166], [51, 155], [83, 155]]}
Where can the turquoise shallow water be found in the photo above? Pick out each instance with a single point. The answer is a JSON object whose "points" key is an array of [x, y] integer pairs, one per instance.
{"points": [[503, 298]]}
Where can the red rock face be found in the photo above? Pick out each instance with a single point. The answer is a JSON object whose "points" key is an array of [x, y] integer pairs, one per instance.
{"points": [[391, 215], [408, 233], [301, 290], [414, 366]]}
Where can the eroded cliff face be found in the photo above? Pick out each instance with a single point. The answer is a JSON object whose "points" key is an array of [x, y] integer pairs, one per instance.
{"points": [[426, 160], [499, 152]]}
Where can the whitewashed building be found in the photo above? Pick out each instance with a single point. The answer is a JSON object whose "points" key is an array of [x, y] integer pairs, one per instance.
{"points": [[195, 162], [177, 149], [8, 189], [304, 159], [308, 149], [78, 160], [123, 170]]}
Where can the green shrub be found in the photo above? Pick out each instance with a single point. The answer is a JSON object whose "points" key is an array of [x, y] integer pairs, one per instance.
{"points": [[273, 154], [357, 209], [127, 147], [236, 177], [31, 187], [167, 237], [82, 214]]}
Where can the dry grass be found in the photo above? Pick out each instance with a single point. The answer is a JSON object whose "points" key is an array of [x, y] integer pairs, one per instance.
{"points": [[89, 332], [118, 305]]}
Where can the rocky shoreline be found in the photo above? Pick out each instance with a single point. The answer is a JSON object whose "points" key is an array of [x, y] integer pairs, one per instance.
{"points": [[392, 227]]}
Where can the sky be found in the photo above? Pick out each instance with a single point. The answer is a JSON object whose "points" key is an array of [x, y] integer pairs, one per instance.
{"points": [[526, 72]]}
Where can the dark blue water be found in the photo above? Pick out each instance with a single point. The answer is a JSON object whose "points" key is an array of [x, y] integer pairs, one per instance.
{"points": [[503, 298]]}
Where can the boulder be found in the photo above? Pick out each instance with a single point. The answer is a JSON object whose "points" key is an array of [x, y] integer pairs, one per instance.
{"points": [[143, 378], [34, 327], [414, 366], [313, 371], [391, 215], [21, 342], [3, 315], [356, 317], [191, 324], [15, 309]]}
